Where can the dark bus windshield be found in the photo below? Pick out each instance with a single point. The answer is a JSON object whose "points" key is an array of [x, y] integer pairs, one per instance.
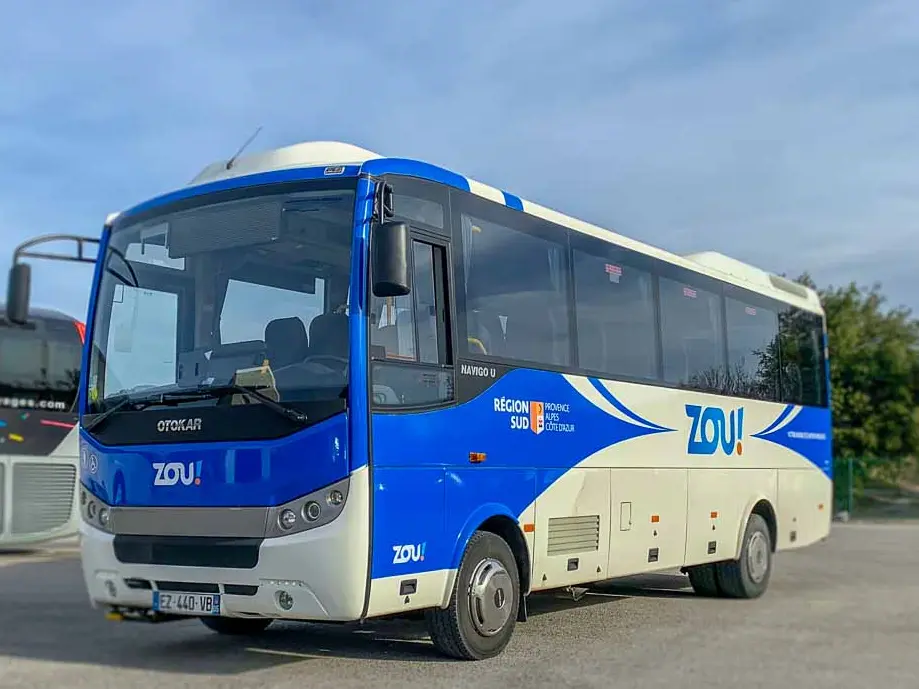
{"points": [[40, 363], [249, 291]]}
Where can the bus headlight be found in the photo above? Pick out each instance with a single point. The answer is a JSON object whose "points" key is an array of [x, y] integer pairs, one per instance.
{"points": [[94, 511], [309, 511], [287, 520], [312, 511]]}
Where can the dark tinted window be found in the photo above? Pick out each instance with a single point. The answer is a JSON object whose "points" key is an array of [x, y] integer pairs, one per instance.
{"points": [[40, 366], [753, 356], [515, 286], [419, 210], [803, 374], [692, 335], [419, 202], [617, 333]]}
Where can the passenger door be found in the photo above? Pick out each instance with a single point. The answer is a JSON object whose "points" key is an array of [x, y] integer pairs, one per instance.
{"points": [[412, 379]]}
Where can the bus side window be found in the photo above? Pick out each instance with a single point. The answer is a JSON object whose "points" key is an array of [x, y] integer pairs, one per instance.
{"points": [[412, 365], [803, 367]]}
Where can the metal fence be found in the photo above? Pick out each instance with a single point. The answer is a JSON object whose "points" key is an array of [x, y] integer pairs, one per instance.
{"points": [[876, 488]]}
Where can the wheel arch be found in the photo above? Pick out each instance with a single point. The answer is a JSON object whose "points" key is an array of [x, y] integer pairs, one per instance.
{"points": [[763, 507], [509, 530], [496, 519]]}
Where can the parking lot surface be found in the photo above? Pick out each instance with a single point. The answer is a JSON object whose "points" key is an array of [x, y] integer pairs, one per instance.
{"points": [[844, 613]]}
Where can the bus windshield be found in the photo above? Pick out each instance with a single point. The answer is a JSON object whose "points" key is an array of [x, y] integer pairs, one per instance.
{"points": [[249, 291], [40, 365]]}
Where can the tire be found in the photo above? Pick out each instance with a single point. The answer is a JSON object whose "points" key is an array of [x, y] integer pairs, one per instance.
{"points": [[236, 626], [704, 580], [748, 576], [480, 619]]}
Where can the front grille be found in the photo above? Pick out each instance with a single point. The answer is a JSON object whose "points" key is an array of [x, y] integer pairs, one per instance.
{"points": [[192, 587], [42, 496], [188, 587], [188, 551]]}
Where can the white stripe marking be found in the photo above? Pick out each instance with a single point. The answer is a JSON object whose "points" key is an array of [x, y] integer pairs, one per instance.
{"points": [[486, 191], [288, 654], [787, 420]]}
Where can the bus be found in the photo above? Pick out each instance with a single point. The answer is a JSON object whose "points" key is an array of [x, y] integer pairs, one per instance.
{"points": [[40, 357], [340, 386]]}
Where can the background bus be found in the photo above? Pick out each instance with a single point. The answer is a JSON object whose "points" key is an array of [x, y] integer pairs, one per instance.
{"points": [[39, 450], [339, 386], [40, 361]]}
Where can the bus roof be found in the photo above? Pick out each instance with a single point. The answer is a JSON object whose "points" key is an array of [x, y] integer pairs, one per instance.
{"points": [[354, 159], [44, 313]]}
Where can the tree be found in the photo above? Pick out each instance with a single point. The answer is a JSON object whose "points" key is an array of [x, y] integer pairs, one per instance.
{"points": [[874, 375]]}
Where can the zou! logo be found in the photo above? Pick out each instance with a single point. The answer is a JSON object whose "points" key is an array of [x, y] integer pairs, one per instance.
{"points": [[712, 428], [177, 472], [413, 552]]}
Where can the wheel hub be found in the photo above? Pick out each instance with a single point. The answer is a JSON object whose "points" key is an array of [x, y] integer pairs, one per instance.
{"points": [[758, 557], [489, 597]]}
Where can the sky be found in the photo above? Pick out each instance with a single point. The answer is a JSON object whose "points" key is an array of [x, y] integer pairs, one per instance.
{"points": [[778, 132]]}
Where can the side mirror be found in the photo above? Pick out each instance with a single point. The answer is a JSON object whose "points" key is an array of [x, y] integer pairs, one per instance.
{"points": [[17, 293], [389, 262]]}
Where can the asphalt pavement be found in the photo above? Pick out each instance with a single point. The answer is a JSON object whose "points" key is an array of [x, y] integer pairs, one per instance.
{"points": [[843, 613]]}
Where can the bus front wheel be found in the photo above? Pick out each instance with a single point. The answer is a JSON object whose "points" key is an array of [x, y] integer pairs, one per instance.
{"points": [[480, 619]]}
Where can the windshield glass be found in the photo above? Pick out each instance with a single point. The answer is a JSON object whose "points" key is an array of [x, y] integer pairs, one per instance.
{"points": [[247, 291], [40, 365]]}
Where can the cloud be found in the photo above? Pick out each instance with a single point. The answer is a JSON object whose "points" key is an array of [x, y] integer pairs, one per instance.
{"points": [[781, 133]]}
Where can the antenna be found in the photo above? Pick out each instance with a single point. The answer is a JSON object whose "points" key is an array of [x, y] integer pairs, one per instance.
{"points": [[243, 148]]}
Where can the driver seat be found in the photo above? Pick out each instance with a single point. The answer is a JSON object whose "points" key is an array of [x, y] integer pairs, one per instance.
{"points": [[329, 335], [286, 342]]}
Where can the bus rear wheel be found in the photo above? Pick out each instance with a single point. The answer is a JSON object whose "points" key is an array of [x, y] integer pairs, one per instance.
{"points": [[236, 626], [748, 576], [482, 614], [704, 580]]}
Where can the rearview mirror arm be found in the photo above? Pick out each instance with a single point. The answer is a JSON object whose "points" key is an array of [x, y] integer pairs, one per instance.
{"points": [[22, 251]]}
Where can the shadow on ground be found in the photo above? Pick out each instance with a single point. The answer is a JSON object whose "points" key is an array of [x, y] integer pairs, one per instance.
{"points": [[44, 615]]}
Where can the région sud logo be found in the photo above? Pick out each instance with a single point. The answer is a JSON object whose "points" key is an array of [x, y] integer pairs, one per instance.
{"points": [[537, 417]]}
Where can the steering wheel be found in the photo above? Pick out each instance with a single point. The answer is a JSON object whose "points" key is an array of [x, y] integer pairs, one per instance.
{"points": [[343, 363]]}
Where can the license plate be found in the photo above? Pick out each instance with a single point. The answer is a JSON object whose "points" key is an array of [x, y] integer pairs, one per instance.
{"points": [[187, 603]]}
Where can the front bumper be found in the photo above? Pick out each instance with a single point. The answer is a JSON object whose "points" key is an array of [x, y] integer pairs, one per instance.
{"points": [[323, 570]]}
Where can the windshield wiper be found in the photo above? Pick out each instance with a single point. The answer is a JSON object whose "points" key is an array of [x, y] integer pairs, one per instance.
{"points": [[201, 392], [222, 390], [127, 399]]}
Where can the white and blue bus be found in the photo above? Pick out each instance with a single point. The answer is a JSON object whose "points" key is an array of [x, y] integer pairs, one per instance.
{"points": [[334, 386]]}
